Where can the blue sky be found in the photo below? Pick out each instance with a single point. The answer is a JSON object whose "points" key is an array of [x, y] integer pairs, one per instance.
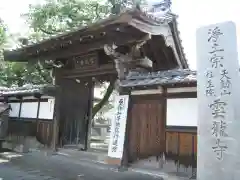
{"points": [[192, 14]]}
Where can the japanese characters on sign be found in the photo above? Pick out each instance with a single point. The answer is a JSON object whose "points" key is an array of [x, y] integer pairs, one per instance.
{"points": [[118, 126], [218, 101], [210, 87], [86, 61], [219, 105]]}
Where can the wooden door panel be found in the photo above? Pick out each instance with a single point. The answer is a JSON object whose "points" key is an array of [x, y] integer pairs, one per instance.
{"points": [[147, 129]]}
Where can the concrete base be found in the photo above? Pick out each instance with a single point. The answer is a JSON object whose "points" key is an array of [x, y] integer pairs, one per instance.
{"points": [[165, 166], [113, 161], [21, 144]]}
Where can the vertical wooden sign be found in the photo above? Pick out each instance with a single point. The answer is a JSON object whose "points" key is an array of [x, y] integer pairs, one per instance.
{"points": [[118, 127], [218, 103]]}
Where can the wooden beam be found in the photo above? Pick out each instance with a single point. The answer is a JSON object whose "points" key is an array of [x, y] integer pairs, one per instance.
{"points": [[125, 158], [77, 48], [20, 108], [38, 110], [82, 34], [164, 112], [77, 73]]}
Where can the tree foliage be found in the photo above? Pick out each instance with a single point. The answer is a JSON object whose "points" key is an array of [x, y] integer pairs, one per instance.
{"points": [[54, 17], [18, 74], [57, 16], [2, 38], [2, 33]]}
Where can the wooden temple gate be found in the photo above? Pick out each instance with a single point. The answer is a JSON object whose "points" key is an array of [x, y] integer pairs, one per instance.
{"points": [[79, 59]]}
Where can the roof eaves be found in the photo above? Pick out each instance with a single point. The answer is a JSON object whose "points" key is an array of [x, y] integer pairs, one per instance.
{"points": [[101, 23], [178, 42], [25, 90], [123, 17]]}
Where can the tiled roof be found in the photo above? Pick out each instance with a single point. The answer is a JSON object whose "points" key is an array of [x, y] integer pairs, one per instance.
{"points": [[135, 13], [26, 89], [132, 17], [175, 76]]}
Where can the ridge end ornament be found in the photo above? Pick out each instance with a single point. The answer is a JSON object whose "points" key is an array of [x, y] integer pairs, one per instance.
{"points": [[158, 10]]}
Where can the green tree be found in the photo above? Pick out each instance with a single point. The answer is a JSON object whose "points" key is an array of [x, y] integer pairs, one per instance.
{"points": [[54, 17], [18, 74], [2, 42], [2, 33]]}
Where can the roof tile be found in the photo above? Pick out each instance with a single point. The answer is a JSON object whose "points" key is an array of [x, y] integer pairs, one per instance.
{"points": [[174, 76], [26, 89]]}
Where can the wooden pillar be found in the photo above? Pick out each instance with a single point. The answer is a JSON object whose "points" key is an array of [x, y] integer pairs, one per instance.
{"points": [[20, 107], [125, 158], [89, 117], [164, 112], [56, 116], [38, 110], [164, 118]]}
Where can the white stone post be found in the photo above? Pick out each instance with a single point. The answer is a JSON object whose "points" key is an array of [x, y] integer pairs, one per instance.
{"points": [[218, 103]]}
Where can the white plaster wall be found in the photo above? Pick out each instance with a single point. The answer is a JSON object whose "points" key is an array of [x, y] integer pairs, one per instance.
{"points": [[15, 109], [46, 111], [182, 112], [29, 110]]}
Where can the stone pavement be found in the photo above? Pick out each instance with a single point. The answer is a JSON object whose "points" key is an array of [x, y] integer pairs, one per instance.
{"points": [[146, 167], [39, 166], [9, 172]]}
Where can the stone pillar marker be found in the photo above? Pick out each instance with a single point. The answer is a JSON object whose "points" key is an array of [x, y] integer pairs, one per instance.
{"points": [[218, 103]]}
